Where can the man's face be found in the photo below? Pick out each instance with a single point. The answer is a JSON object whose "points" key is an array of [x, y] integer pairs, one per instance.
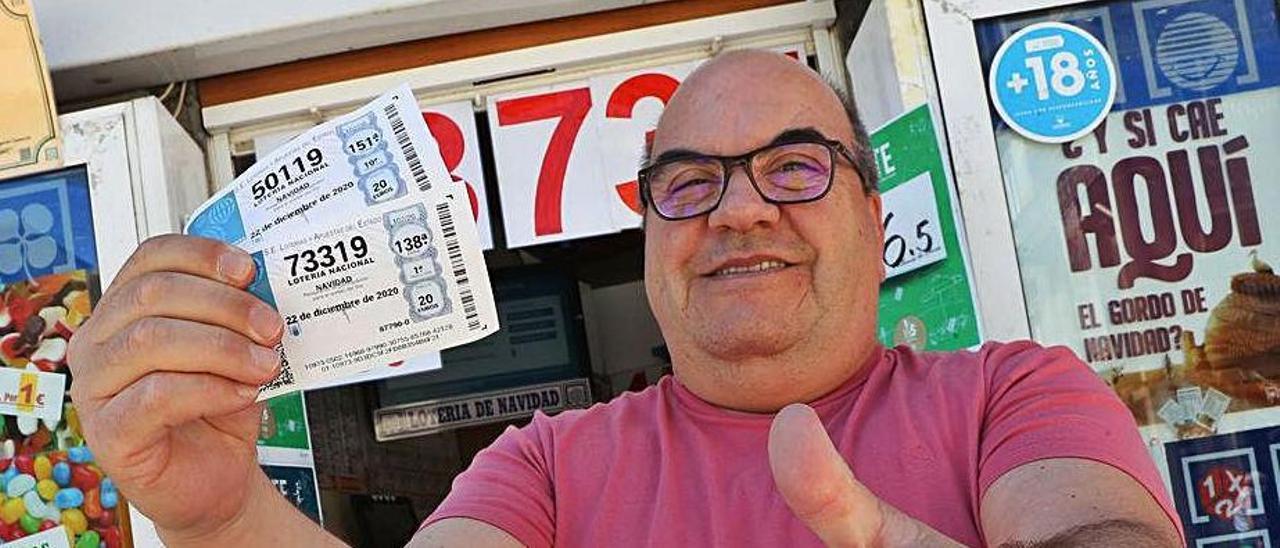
{"points": [[813, 269]]}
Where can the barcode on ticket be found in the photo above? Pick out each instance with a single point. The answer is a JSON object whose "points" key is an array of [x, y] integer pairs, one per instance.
{"points": [[406, 146], [459, 267]]}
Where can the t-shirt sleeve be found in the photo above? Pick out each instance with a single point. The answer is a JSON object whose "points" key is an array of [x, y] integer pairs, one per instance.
{"points": [[508, 485], [1045, 403]]}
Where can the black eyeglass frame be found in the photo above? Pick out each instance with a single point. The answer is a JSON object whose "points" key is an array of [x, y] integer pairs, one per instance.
{"points": [[727, 163]]}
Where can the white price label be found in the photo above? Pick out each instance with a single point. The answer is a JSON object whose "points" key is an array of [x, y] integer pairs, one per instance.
{"points": [[50, 538], [912, 237]]}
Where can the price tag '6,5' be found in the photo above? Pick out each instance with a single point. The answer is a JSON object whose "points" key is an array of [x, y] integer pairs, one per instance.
{"points": [[912, 236]]}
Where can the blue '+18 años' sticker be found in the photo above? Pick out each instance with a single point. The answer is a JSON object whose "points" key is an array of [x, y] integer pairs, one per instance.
{"points": [[1052, 82]]}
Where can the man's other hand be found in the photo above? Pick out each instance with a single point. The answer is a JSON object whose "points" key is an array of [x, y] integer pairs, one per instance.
{"points": [[821, 490]]}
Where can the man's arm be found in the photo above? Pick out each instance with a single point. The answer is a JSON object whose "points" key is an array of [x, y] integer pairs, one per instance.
{"points": [[266, 519], [1072, 502], [451, 532], [1047, 503]]}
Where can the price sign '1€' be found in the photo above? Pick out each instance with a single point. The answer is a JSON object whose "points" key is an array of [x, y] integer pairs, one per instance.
{"points": [[912, 236]]}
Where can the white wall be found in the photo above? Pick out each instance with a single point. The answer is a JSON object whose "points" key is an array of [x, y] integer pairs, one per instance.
{"points": [[96, 48]]}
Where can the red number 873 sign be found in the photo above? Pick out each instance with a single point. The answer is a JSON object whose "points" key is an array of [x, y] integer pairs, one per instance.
{"points": [[567, 155]]}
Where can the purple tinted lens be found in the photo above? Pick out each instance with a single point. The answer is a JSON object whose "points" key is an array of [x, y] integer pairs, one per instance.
{"points": [[686, 188], [794, 172]]}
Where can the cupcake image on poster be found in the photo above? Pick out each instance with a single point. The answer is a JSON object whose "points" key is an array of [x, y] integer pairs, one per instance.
{"points": [[1233, 366]]}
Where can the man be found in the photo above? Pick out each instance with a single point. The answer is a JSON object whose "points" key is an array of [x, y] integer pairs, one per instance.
{"points": [[762, 266]]}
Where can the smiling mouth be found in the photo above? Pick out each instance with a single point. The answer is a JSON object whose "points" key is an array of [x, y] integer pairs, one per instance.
{"points": [[742, 270]]}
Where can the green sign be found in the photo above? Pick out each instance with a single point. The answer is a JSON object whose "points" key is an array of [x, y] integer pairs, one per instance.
{"points": [[926, 300], [284, 423]]}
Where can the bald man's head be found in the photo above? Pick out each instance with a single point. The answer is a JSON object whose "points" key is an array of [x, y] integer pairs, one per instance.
{"points": [[715, 85], [765, 286]]}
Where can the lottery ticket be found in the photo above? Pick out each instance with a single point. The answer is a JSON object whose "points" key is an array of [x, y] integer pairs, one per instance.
{"points": [[372, 257], [1215, 405], [377, 154], [1191, 400], [1172, 412]]}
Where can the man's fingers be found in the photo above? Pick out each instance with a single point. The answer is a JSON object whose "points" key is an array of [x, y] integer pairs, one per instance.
{"points": [[816, 482], [186, 297], [166, 344], [190, 255], [146, 409]]}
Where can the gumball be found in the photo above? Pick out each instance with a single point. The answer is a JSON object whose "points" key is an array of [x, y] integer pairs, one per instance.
{"points": [[57, 456], [75, 521], [107, 519], [47, 489], [7, 475], [110, 536], [83, 478], [19, 485], [29, 523], [110, 499], [80, 454], [5, 462], [62, 474], [43, 468], [89, 539], [10, 531], [25, 464], [69, 497], [12, 510], [36, 507], [48, 524], [92, 506]]}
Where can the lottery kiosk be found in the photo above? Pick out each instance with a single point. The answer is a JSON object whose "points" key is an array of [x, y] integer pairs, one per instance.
{"points": [[544, 124], [1114, 164]]}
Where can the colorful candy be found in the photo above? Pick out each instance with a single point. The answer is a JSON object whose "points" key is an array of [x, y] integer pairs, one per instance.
{"points": [[69, 497], [43, 468], [24, 464], [62, 474], [29, 523], [79, 454], [12, 510], [89, 539], [10, 531], [107, 519], [38, 508], [19, 485], [47, 489], [92, 505], [83, 477], [8, 474], [39, 492], [110, 537], [109, 497], [75, 521]]}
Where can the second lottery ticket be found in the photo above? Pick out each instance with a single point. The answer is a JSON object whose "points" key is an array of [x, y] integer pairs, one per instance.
{"points": [[363, 243]]}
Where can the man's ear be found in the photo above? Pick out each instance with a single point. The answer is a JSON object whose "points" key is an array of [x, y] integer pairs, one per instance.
{"points": [[876, 207]]}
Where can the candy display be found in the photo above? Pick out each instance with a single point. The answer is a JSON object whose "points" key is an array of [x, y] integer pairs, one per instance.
{"points": [[48, 476]]}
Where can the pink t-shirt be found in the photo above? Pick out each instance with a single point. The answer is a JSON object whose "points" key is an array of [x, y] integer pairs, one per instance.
{"points": [[926, 432]]}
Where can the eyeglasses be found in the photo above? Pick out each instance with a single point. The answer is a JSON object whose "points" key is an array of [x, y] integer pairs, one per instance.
{"points": [[787, 173]]}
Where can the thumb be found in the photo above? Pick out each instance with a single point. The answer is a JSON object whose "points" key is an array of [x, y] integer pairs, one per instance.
{"points": [[816, 482]]}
